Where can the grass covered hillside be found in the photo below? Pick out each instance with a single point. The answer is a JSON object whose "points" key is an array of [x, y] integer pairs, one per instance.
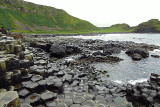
{"points": [[151, 26], [120, 28], [19, 15]]}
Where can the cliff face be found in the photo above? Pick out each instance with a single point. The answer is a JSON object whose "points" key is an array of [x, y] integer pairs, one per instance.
{"points": [[25, 16]]}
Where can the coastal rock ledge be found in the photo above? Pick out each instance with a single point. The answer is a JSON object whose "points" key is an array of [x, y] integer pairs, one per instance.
{"points": [[42, 80]]}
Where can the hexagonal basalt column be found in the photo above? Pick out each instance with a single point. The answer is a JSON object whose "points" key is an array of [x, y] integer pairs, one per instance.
{"points": [[2, 65], [33, 99], [18, 48]]}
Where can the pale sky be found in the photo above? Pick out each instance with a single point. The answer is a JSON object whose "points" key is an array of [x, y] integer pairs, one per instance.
{"points": [[104, 13]]}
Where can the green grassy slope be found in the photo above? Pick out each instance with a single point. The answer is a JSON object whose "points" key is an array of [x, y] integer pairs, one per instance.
{"points": [[24, 16], [120, 28], [151, 26]]}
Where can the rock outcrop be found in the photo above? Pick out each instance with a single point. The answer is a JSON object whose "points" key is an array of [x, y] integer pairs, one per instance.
{"points": [[9, 99], [137, 54]]}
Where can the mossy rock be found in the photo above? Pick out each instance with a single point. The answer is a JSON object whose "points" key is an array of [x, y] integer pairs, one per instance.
{"points": [[9, 99], [10, 48], [2, 65]]}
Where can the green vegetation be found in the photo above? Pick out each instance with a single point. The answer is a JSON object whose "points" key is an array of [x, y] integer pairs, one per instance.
{"points": [[151, 26], [120, 28], [108, 75], [27, 17]]}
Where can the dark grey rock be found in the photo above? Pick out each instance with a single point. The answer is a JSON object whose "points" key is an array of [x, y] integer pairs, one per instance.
{"points": [[98, 53], [23, 93], [155, 56], [26, 77], [111, 50], [33, 87], [36, 78], [58, 51], [142, 52], [48, 96]]}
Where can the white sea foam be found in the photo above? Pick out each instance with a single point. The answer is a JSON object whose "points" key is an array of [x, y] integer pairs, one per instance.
{"points": [[137, 81], [118, 81]]}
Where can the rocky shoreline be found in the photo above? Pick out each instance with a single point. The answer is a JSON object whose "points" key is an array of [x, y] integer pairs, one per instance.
{"points": [[52, 71]]}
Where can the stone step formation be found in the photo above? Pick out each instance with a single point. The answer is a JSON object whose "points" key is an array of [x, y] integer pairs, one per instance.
{"points": [[30, 78]]}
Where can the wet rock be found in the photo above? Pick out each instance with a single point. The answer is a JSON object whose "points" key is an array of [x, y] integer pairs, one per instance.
{"points": [[98, 53], [136, 57], [33, 99], [140, 86], [112, 50], [142, 52], [78, 100], [155, 56], [9, 99]]}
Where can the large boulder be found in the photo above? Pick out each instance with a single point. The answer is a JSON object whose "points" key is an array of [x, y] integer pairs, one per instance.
{"points": [[136, 57], [136, 54], [9, 99], [58, 51], [62, 50]]}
